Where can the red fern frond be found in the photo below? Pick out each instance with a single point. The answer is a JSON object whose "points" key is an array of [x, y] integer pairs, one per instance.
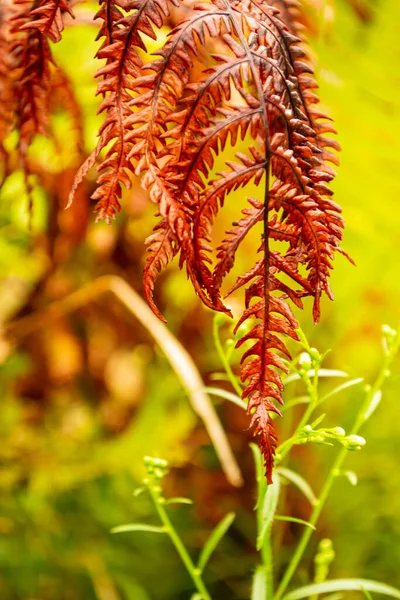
{"points": [[46, 16], [162, 246], [232, 72], [6, 81], [119, 79], [227, 250]]}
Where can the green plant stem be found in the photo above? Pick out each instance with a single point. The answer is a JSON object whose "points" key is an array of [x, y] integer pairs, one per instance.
{"points": [[224, 360], [334, 471], [266, 549], [266, 554], [193, 572], [312, 390]]}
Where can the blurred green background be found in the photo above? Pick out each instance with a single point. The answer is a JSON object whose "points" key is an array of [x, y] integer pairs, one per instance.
{"points": [[87, 396]]}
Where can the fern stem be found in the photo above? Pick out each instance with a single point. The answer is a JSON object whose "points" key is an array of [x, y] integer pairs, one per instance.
{"points": [[180, 547], [363, 415], [224, 359]]}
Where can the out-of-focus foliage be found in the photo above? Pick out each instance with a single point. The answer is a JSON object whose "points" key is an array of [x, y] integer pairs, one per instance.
{"points": [[85, 398]]}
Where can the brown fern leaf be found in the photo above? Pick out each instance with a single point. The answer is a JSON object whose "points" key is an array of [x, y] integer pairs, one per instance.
{"points": [[163, 117], [227, 250], [30, 64], [47, 17], [7, 104], [35, 85], [119, 76], [232, 72], [6, 80], [264, 383], [162, 246], [31, 60]]}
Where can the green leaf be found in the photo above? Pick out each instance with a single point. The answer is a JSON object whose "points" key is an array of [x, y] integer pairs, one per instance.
{"points": [[219, 376], [139, 491], [339, 585], [226, 396], [376, 398], [340, 388], [138, 527], [350, 476], [294, 520], [257, 461], [366, 593], [270, 503], [216, 535], [261, 482], [321, 373], [179, 501], [299, 482], [328, 373], [259, 587], [294, 402], [317, 421]]}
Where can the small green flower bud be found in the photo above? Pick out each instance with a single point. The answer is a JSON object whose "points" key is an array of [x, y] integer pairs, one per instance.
{"points": [[315, 355], [323, 559], [305, 361], [320, 439], [230, 345], [353, 442], [357, 439], [301, 439], [388, 331], [337, 431], [325, 544]]}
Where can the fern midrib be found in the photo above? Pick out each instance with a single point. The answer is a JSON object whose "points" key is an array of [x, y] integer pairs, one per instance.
{"points": [[263, 106]]}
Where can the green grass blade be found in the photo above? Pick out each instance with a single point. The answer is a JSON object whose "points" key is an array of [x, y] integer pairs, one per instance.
{"points": [[341, 585], [268, 511], [340, 388], [293, 520], [179, 501], [321, 373], [138, 527], [299, 482], [295, 402], [259, 587], [214, 539], [234, 398], [376, 398], [366, 594]]}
